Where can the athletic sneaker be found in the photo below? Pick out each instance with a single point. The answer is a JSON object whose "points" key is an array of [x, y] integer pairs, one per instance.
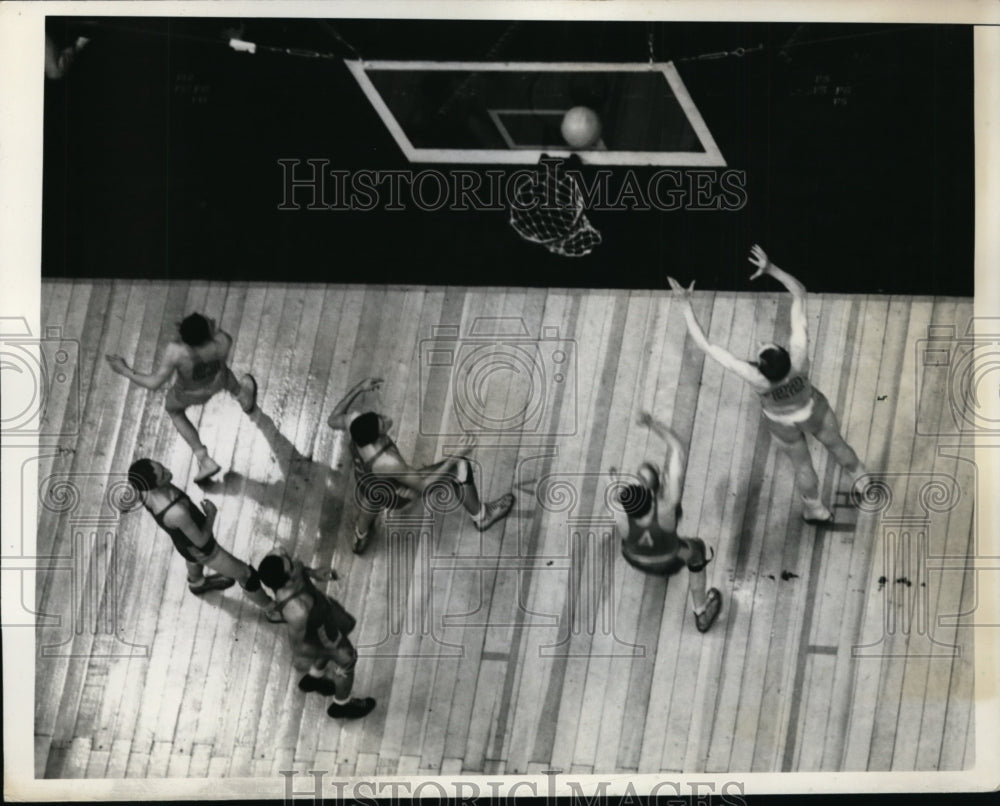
{"points": [[713, 604], [210, 582], [816, 513], [207, 467], [321, 685], [361, 541], [248, 393], [354, 708], [496, 511]]}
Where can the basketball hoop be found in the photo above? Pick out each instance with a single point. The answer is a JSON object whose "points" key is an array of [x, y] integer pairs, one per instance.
{"points": [[548, 210]]}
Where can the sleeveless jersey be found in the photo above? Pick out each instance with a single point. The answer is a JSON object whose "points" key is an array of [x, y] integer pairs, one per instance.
{"points": [[787, 396], [205, 369], [652, 548], [181, 541], [324, 613]]}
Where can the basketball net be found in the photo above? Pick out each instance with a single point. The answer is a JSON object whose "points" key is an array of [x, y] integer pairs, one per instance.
{"points": [[548, 210]]}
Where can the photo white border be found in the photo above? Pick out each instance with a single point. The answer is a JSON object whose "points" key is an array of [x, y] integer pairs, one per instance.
{"points": [[21, 117]]}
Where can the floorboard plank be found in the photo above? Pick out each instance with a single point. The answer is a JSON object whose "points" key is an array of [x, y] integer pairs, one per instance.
{"points": [[599, 313]]}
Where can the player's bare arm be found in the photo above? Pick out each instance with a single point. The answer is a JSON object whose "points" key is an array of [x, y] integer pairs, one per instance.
{"points": [[321, 574], [798, 345], [153, 380], [296, 613], [744, 369], [675, 462], [225, 341], [338, 417]]}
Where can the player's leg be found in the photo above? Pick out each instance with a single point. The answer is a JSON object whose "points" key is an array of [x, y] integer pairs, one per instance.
{"points": [[706, 603], [224, 563], [176, 407], [343, 659], [316, 680], [373, 494], [793, 443], [484, 515], [828, 433], [199, 582], [363, 528], [187, 431]]}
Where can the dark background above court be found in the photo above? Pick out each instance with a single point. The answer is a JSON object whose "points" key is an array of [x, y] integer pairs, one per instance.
{"points": [[161, 149]]}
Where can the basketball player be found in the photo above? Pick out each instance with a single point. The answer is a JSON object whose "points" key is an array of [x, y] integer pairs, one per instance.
{"points": [[651, 543], [317, 632], [384, 479], [792, 406], [199, 362], [190, 529]]}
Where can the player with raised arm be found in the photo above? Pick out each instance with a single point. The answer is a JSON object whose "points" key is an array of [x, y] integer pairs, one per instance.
{"points": [[385, 481], [651, 543], [197, 362], [792, 406], [190, 529]]}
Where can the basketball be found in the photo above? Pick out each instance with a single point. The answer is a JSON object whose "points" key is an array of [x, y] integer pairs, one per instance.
{"points": [[581, 127]]}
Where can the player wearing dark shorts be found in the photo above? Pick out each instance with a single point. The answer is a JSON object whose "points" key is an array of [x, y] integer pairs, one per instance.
{"points": [[190, 529], [317, 631], [792, 407], [384, 479], [198, 364], [651, 543]]}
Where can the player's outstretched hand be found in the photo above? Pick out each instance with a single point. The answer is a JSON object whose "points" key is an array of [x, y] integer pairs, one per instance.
{"points": [[210, 509], [759, 259], [117, 364], [680, 292]]}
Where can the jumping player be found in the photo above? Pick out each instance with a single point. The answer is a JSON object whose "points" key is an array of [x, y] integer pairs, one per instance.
{"points": [[190, 529], [792, 406], [651, 543], [199, 361], [317, 631], [384, 479]]}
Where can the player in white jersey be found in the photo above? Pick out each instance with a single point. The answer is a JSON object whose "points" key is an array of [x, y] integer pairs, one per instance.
{"points": [[792, 406]]}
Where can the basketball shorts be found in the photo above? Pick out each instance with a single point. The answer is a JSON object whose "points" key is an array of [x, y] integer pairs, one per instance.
{"points": [[178, 398], [690, 553], [193, 554], [338, 651], [792, 432]]}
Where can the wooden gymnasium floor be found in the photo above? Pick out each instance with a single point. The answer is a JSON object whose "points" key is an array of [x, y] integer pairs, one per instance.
{"points": [[533, 646]]}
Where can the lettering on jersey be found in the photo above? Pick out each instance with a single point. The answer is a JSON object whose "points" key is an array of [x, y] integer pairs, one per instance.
{"points": [[205, 370], [787, 390]]}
